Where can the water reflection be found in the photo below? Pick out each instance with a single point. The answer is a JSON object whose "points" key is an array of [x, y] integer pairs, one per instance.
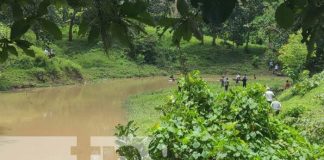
{"points": [[72, 110]]}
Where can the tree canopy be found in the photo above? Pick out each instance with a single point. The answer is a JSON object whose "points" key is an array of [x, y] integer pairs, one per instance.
{"points": [[117, 21]]}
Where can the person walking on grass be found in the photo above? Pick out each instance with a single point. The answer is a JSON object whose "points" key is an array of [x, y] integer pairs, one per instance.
{"points": [[244, 80], [269, 95], [226, 84], [287, 85], [276, 106], [276, 69], [222, 81], [270, 65]]}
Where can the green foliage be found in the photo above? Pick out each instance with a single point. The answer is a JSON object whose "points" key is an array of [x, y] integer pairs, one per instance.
{"points": [[306, 16], [295, 112], [234, 125], [320, 98], [147, 47], [256, 61], [293, 57], [127, 130], [304, 86]]}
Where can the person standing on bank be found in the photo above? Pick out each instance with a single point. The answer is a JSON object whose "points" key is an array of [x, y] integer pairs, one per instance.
{"points": [[238, 78], [222, 80], [244, 80], [226, 84]]}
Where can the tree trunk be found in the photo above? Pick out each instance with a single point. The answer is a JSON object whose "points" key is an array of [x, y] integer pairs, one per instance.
{"points": [[72, 19], [202, 41], [103, 25], [246, 48], [247, 41], [214, 40]]}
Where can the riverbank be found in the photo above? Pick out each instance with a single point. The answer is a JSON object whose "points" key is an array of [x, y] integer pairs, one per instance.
{"points": [[78, 61]]}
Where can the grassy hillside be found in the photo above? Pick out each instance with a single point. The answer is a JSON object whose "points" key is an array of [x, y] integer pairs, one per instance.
{"points": [[79, 61], [313, 101], [305, 112]]}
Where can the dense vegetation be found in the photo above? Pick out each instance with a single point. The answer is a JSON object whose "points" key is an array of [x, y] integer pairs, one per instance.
{"points": [[128, 38], [197, 124]]}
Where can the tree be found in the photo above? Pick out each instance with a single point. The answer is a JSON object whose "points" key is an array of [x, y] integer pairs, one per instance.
{"points": [[293, 57], [240, 23], [307, 16]]}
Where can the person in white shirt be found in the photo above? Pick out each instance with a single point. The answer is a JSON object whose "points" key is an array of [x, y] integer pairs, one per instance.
{"points": [[46, 52], [269, 95], [238, 78], [276, 106]]}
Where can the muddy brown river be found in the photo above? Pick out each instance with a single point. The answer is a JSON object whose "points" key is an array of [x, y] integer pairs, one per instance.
{"points": [[92, 110]]}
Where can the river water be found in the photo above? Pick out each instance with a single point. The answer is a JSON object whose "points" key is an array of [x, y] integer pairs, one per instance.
{"points": [[93, 109]]}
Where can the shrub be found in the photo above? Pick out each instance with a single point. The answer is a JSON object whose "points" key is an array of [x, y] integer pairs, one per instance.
{"points": [[147, 47], [5, 83], [295, 112], [256, 61], [234, 125], [40, 74], [41, 61], [293, 56], [304, 86], [24, 62]]}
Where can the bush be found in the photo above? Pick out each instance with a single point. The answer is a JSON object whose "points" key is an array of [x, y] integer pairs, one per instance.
{"points": [[295, 112], [73, 70], [293, 57], [304, 86], [24, 62], [147, 47], [234, 125], [256, 61], [40, 74], [5, 83]]}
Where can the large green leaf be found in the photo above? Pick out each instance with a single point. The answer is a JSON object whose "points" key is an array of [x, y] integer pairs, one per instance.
{"points": [[17, 12], [132, 9], [19, 28], [42, 9], [12, 50], [23, 44], [3, 55], [119, 33], [183, 7], [93, 36], [51, 28], [217, 12], [83, 27], [29, 52], [285, 16]]}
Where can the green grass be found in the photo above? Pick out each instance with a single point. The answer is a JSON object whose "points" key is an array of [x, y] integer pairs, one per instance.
{"points": [[313, 105], [141, 107]]}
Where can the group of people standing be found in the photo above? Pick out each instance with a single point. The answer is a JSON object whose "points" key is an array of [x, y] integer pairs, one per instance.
{"points": [[225, 81], [269, 95]]}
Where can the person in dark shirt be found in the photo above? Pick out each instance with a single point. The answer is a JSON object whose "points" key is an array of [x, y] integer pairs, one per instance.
{"points": [[244, 80], [226, 83], [222, 80]]}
